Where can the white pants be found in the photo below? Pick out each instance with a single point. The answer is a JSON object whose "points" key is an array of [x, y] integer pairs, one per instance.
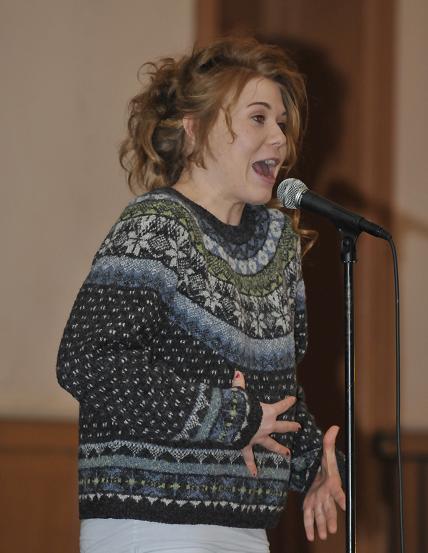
{"points": [[99, 535]]}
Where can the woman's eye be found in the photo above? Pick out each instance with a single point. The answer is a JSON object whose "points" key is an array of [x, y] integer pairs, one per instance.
{"points": [[259, 118]]}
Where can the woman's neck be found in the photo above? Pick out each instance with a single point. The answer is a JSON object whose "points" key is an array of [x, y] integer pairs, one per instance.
{"points": [[212, 199]]}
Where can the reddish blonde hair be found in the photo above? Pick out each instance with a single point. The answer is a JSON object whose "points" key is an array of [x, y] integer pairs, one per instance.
{"points": [[154, 153]]}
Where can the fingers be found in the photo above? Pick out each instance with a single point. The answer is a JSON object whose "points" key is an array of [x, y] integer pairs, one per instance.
{"points": [[272, 445], [319, 508], [248, 455], [281, 427], [329, 450], [340, 498], [308, 521], [331, 435], [278, 427], [329, 443], [278, 408], [331, 515], [321, 522], [323, 515], [238, 380], [270, 424], [283, 405]]}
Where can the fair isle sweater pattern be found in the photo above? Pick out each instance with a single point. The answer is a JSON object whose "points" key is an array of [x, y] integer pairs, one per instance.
{"points": [[175, 303]]}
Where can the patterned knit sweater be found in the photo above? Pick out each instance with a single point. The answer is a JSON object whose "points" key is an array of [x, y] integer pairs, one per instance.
{"points": [[175, 302]]}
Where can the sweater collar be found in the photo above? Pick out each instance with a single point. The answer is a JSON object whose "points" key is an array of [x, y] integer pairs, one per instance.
{"points": [[237, 234]]}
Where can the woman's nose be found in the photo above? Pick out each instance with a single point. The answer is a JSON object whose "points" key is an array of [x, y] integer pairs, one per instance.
{"points": [[277, 136]]}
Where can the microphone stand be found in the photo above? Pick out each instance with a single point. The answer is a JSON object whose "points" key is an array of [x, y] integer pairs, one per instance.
{"points": [[349, 257]]}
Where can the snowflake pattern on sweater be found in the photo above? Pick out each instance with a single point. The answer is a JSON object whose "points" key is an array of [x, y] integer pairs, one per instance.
{"points": [[175, 302]]}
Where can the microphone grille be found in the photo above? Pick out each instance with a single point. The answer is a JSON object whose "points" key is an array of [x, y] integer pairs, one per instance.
{"points": [[290, 192]]}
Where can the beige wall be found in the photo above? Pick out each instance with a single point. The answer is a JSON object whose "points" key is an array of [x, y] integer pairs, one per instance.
{"points": [[68, 69], [411, 203]]}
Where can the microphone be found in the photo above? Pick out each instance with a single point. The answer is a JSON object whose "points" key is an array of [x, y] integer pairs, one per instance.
{"points": [[294, 194]]}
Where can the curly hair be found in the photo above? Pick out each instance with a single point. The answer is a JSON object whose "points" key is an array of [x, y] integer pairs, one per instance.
{"points": [[154, 153]]}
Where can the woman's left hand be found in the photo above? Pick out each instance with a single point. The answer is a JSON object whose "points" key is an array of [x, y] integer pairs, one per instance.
{"points": [[326, 490]]}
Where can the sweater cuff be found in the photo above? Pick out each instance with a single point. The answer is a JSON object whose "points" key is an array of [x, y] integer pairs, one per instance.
{"points": [[315, 466], [235, 417], [253, 421], [304, 469]]}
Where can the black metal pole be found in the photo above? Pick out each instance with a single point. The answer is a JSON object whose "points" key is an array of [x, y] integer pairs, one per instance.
{"points": [[348, 255]]}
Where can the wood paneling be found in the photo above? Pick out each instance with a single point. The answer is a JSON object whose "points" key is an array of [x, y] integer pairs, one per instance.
{"points": [[414, 449], [38, 483]]}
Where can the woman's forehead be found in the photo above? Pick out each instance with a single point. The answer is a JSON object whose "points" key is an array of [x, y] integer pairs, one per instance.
{"points": [[260, 90]]}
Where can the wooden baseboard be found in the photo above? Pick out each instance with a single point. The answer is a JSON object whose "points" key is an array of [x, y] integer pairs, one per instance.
{"points": [[38, 481]]}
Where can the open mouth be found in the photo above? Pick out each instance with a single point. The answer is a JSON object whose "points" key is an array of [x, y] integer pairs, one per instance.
{"points": [[266, 167]]}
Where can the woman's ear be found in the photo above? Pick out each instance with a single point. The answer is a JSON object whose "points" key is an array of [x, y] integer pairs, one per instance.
{"points": [[189, 124]]}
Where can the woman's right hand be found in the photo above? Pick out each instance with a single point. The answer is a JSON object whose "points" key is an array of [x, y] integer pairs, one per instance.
{"points": [[268, 425]]}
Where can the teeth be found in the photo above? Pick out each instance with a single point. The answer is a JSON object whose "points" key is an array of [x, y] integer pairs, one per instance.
{"points": [[270, 162]]}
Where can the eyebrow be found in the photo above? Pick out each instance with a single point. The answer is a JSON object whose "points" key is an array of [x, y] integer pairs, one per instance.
{"points": [[265, 104]]}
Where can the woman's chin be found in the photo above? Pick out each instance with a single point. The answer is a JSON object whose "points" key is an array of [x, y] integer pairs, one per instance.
{"points": [[261, 196]]}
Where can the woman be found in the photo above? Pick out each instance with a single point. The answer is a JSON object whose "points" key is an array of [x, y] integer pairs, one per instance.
{"points": [[183, 341]]}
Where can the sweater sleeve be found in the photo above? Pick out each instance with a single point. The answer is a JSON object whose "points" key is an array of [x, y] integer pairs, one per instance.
{"points": [[105, 355], [308, 442]]}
